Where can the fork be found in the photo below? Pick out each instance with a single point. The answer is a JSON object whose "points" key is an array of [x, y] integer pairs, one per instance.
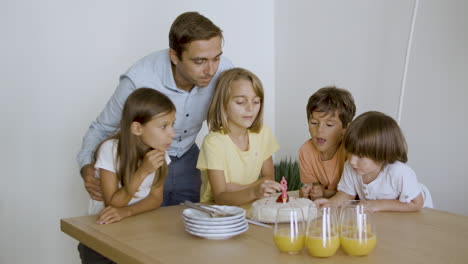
{"points": [[212, 211]]}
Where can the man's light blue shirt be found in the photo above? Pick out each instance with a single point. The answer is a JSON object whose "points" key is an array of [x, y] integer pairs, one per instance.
{"points": [[154, 71]]}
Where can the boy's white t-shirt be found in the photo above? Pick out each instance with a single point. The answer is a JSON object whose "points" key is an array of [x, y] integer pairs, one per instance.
{"points": [[395, 181], [106, 159]]}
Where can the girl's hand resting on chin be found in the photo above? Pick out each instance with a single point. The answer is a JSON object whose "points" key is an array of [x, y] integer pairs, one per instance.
{"points": [[153, 160]]}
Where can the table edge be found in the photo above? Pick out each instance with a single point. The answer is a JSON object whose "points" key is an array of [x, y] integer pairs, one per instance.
{"points": [[102, 243]]}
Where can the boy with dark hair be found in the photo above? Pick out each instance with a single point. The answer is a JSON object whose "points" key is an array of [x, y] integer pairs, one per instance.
{"points": [[322, 157]]}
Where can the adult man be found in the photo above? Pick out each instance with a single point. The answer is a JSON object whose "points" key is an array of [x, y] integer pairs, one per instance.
{"points": [[186, 73]]}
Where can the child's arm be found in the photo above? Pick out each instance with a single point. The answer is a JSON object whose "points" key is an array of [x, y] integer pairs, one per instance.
{"points": [[121, 197], [112, 214], [251, 192], [396, 205], [315, 191], [336, 199], [114, 196], [327, 193], [306, 172], [312, 191], [267, 173], [340, 197], [268, 169]]}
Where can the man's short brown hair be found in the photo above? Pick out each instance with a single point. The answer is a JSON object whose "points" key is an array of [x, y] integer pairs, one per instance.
{"points": [[330, 99], [188, 27]]}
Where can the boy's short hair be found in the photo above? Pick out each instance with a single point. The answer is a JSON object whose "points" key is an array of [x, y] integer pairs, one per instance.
{"points": [[330, 99], [376, 136], [188, 27]]}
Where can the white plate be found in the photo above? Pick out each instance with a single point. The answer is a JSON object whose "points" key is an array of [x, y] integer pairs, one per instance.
{"points": [[217, 231], [192, 225], [217, 223], [200, 215], [218, 236], [194, 214]]}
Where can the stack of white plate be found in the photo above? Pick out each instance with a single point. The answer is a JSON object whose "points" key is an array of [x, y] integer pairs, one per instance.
{"points": [[200, 224]]}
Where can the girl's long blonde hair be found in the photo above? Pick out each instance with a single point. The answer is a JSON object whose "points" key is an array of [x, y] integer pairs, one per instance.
{"points": [[141, 106], [217, 116]]}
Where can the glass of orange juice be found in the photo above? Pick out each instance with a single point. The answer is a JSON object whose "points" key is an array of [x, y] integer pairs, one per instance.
{"points": [[358, 234], [289, 230], [322, 235], [341, 208]]}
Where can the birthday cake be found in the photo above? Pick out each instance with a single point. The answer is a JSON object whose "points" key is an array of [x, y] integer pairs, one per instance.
{"points": [[264, 210]]}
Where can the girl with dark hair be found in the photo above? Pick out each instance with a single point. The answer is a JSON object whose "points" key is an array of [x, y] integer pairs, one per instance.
{"points": [[132, 164]]}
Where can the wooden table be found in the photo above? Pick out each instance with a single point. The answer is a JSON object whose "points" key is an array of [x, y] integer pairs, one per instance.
{"points": [[428, 236]]}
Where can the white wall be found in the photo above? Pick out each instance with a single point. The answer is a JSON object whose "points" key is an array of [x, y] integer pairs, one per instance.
{"points": [[60, 63], [435, 109], [356, 45], [361, 46]]}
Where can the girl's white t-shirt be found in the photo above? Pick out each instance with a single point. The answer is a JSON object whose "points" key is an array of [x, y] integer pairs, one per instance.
{"points": [[106, 159], [395, 181]]}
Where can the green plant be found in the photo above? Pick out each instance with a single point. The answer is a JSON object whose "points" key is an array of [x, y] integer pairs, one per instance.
{"points": [[290, 170]]}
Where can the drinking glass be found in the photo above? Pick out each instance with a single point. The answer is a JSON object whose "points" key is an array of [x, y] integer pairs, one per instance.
{"points": [[322, 236], [341, 206], [358, 233], [289, 229]]}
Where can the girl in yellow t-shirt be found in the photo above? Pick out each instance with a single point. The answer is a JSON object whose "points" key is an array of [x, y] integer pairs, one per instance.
{"points": [[235, 157]]}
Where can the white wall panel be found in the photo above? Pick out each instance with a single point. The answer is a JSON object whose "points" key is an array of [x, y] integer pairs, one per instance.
{"points": [[435, 112], [356, 45]]}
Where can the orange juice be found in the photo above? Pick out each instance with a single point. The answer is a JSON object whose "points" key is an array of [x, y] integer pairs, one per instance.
{"points": [[355, 244], [322, 247], [289, 244]]}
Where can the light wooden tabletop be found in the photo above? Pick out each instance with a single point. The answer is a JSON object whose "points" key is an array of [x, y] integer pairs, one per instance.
{"points": [[428, 236]]}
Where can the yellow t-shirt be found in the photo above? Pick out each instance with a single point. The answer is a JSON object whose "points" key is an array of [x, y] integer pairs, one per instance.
{"points": [[218, 152]]}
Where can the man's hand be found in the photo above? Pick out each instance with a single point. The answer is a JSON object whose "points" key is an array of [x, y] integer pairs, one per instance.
{"points": [[91, 183]]}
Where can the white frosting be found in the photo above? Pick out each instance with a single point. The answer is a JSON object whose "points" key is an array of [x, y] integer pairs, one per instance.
{"points": [[264, 210]]}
